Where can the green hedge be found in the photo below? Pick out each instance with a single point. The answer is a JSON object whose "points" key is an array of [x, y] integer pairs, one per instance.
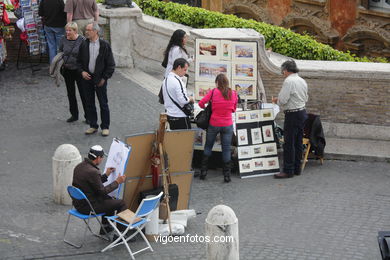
{"points": [[281, 40]]}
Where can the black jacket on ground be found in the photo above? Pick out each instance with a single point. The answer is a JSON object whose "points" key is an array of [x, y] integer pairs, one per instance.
{"points": [[105, 64], [52, 12], [87, 177]]}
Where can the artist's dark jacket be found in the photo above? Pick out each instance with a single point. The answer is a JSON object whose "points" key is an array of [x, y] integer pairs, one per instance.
{"points": [[314, 131], [87, 177], [105, 64]]}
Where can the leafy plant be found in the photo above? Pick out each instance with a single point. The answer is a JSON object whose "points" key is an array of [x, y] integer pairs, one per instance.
{"points": [[279, 39]]}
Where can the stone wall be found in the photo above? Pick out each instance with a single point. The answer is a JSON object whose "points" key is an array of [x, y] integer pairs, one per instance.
{"points": [[341, 92]]}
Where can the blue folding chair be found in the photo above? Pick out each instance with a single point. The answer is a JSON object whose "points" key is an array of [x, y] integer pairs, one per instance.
{"points": [[77, 194], [143, 212]]}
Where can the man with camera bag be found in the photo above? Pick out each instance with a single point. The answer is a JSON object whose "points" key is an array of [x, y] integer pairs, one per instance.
{"points": [[177, 104]]}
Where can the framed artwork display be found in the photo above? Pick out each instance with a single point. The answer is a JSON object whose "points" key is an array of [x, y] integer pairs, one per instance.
{"points": [[244, 71], [246, 89], [244, 152], [244, 51], [256, 136], [267, 114], [268, 133], [242, 117], [271, 163], [201, 88], [208, 70], [245, 166], [242, 136], [226, 50], [269, 149], [257, 150], [258, 164], [208, 49], [199, 140]]}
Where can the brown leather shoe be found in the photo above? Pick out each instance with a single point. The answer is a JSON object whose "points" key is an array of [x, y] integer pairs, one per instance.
{"points": [[283, 175]]}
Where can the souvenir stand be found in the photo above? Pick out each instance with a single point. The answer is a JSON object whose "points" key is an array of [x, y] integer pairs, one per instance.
{"points": [[6, 32], [33, 31], [254, 130]]}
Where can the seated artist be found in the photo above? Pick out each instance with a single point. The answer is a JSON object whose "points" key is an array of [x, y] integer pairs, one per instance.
{"points": [[88, 178]]}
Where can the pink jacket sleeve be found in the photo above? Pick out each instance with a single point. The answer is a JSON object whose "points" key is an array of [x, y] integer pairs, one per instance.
{"points": [[206, 99]]}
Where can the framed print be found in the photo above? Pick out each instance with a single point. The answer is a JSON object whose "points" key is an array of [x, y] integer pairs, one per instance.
{"points": [[257, 150], [199, 141], [208, 49], [208, 70], [201, 89], [271, 163], [244, 152], [245, 166], [244, 51], [258, 164], [242, 117], [244, 71], [242, 137], [226, 50], [256, 136], [269, 149], [246, 89], [267, 114], [268, 133]]}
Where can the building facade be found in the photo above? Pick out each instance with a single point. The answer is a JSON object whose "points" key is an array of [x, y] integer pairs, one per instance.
{"points": [[360, 26]]}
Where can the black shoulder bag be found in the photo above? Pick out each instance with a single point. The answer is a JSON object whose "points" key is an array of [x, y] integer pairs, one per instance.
{"points": [[202, 120], [188, 108]]}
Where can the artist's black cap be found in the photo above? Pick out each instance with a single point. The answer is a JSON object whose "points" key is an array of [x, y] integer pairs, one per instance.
{"points": [[96, 151]]}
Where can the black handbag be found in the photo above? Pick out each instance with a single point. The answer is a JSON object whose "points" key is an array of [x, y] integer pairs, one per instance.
{"points": [[202, 120], [188, 109]]}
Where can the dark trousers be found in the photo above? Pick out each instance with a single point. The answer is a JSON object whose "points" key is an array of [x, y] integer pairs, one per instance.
{"points": [[179, 122], [101, 92], [108, 206], [293, 134], [72, 77]]}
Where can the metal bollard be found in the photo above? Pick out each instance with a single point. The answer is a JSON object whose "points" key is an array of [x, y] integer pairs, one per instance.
{"points": [[65, 159], [222, 224]]}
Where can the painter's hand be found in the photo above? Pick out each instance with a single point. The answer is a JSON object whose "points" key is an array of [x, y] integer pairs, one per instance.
{"points": [[274, 100], [109, 171], [121, 179]]}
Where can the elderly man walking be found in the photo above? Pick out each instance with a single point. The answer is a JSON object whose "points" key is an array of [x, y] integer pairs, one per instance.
{"points": [[292, 98], [96, 65]]}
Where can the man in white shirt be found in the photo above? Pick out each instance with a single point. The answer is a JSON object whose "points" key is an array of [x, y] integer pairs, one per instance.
{"points": [[292, 99], [175, 96]]}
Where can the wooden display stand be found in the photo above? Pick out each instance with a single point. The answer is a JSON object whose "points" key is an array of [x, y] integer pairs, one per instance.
{"points": [[179, 147]]}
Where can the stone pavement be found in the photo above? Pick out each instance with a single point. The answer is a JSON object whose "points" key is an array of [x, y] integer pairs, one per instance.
{"points": [[333, 211]]}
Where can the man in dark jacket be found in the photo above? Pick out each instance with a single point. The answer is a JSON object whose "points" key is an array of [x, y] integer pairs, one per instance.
{"points": [[96, 65], [54, 20], [88, 178]]}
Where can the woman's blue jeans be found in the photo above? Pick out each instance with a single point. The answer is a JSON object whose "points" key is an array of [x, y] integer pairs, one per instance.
{"points": [[226, 133]]}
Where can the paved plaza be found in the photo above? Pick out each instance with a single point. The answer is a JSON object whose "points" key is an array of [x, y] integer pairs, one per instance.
{"points": [[333, 211]]}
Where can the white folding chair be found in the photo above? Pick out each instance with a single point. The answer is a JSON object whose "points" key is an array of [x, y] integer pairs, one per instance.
{"points": [[143, 212]]}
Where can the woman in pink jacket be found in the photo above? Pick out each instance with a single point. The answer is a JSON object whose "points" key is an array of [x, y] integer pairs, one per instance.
{"points": [[224, 103]]}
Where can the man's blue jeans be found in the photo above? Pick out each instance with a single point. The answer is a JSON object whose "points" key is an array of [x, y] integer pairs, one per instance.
{"points": [[53, 37], [226, 133]]}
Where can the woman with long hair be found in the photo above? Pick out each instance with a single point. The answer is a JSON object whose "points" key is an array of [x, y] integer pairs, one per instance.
{"points": [[224, 102], [175, 49], [70, 45]]}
